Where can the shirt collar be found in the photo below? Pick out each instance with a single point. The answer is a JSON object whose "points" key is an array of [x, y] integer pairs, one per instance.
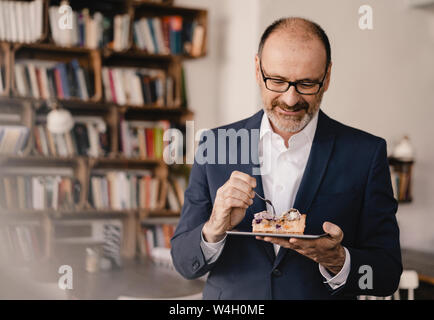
{"points": [[308, 131]]}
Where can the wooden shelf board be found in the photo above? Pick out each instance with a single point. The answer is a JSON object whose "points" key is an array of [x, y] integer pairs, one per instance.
{"points": [[160, 220], [169, 8], [105, 52], [64, 213], [12, 160], [104, 162], [161, 213], [98, 105]]}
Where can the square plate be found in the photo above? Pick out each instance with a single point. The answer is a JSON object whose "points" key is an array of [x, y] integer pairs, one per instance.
{"points": [[280, 235]]}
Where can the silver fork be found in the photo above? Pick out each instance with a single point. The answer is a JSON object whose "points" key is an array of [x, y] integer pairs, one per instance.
{"points": [[269, 202]]}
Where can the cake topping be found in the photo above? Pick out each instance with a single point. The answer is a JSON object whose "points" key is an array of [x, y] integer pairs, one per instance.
{"points": [[291, 214], [264, 215]]}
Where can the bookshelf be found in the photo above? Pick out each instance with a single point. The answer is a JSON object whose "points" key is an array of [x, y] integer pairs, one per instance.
{"points": [[401, 176], [32, 80]]}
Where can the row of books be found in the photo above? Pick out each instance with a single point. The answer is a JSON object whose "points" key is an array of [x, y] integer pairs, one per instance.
{"points": [[21, 21], [155, 236], [38, 192], [52, 79], [22, 243], [89, 137], [138, 86], [83, 29], [169, 35], [120, 190], [401, 183], [124, 86], [143, 139], [13, 139]]}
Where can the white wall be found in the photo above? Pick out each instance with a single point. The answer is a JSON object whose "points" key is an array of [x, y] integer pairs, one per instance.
{"points": [[382, 79], [221, 86]]}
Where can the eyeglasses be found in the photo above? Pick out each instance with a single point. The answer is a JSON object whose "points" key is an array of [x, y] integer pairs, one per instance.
{"points": [[302, 86]]}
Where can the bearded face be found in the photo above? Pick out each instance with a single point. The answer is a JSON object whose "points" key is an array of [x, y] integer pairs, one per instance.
{"points": [[297, 59], [292, 118]]}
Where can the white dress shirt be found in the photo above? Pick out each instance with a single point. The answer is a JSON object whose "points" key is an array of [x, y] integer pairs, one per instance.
{"points": [[281, 172]]}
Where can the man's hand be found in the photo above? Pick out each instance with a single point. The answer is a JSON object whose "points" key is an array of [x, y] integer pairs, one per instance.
{"points": [[232, 200], [327, 251]]}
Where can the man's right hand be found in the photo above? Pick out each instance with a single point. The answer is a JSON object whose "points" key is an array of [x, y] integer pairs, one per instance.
{"points": [[232, 200]]}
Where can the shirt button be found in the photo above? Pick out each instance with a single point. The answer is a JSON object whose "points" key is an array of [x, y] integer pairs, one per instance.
{"points": [[279, 188], [277, 273]]}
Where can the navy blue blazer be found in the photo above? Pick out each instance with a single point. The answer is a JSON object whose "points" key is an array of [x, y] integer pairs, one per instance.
{"points": [[346, 181]]}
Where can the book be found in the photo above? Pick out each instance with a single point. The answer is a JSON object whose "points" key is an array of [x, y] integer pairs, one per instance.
{"points": [[13, 139], [91, 30], [119, 190], [21, 21], [198, 39], [172, 200]]}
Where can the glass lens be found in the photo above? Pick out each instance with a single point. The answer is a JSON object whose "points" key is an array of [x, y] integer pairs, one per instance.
{"points": [[308, 88], [277, 85]]}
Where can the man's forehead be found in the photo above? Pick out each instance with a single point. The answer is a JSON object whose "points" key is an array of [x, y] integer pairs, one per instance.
{"points": [[305, 56]]}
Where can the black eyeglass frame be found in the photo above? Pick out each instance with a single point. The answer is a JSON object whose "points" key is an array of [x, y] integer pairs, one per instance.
{"points": [[292, 83]]}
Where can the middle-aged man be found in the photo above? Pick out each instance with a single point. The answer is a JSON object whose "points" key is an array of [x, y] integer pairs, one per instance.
{"points": [[337, 175]]}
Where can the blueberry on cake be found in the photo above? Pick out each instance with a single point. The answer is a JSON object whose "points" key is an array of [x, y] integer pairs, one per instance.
{"points": [[291, 221]]}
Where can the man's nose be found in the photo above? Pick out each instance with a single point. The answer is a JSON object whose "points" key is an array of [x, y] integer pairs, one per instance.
{"points": [[290, 97]]}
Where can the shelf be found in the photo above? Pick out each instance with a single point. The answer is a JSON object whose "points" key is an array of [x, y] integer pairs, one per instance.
{"points": [[145, 214], [123, 162], [397, 161], [160, 220], [65, 213], [141, 54], [105, 52], [77, 104], [34, 160], [166, 8], [37, 160], [82, 167]]}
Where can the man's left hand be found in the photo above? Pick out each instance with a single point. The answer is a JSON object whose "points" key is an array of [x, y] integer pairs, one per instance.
{"points": [[327, 251]]}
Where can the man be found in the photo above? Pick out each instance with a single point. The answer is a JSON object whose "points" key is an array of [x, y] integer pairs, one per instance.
{"points": [[338, 176]]}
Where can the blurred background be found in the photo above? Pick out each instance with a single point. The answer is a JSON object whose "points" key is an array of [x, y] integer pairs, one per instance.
{"points": [[75, 134]]}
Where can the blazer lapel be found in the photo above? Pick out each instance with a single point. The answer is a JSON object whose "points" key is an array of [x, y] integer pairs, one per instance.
{"points": [[316, 166]]}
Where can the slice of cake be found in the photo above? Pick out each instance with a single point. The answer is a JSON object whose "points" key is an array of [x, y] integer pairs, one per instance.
{"points": [[291, 221]]}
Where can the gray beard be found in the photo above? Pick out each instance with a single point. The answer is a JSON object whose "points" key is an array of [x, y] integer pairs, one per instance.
{"points": [[295, 126]]}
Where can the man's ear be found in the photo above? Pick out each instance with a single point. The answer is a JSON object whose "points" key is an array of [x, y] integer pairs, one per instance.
{"points": [[327, 79], [257, 70]]}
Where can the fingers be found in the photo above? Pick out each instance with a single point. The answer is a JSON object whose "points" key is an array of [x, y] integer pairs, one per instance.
{"points": [[334, 231], [245, 177], [238, 187], [231, 202]]}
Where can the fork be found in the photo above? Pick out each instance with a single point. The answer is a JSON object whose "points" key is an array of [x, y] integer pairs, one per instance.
{"points": [[269, 202]]}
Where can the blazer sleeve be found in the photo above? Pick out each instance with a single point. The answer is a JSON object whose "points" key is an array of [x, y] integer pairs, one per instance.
{"points": [[187, 255], [377, 241]]}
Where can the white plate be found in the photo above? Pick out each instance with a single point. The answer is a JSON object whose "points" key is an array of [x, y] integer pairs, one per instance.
{"points": [[280, 235]]}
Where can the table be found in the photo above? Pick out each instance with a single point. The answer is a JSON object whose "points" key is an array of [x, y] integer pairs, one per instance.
{"points": [[136, 278], [421, 262]]}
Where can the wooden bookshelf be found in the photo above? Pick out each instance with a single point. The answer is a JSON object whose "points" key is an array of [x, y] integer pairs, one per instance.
{"points": [[30, 109], [401, 172]]}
